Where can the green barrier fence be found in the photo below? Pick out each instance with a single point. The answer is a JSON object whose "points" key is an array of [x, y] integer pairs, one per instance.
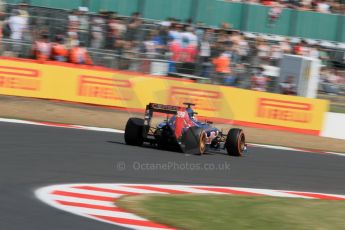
{"points": [[245, 17]]}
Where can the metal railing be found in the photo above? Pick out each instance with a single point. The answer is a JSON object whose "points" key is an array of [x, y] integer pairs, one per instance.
{"points": [[160, 67]]}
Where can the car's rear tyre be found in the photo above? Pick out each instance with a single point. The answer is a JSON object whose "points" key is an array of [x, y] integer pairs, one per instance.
{"points": [[235, 143], [134, 131], [195, 141]]}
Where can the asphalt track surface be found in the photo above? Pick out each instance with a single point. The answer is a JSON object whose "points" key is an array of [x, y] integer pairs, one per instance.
{"points": [[35, 156]]}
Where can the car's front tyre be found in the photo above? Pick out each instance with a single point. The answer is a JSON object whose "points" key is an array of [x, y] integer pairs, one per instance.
{"points": [[235, 143]]}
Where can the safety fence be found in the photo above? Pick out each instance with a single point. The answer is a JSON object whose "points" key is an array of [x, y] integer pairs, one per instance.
{"points": [[101, 86], [159, 64], [147, 63]]}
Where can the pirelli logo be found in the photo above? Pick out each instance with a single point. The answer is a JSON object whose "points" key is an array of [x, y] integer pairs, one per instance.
{"points": [[19, 78], [284, 110], [204, 99], [105, 88]]}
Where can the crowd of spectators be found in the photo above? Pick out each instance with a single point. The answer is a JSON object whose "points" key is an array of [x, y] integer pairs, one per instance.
{"points": [[225, 56], [332, 81], [321, 6]]}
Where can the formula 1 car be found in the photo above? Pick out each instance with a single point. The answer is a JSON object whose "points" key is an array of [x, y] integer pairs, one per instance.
{"points": [[182, 129]]}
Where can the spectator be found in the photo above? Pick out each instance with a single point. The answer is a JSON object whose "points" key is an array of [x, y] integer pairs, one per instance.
{"points": [[134, 23], [324, 57], [338, 8], [42, 48], [129, 58], [224, 38], [274, 14], [80, 55], [159, 38], [187, 56], [306, 4], [17, 24], [175, 33], [111, 33], [264, 51], [222, 68], [333, 76], [235, 37], [204, 55], [330, 79], [293, 4], [259, 82], [2, 18], [285, 46], [267, 2], [276, 54], [116, 31], [73, 21], [24, 13], [175, 52], [119, 27], [190, 36], [323, 7], [243, 49], [83, 27], [151, 46], [59, 50], [23, 10], [97, 31], [288, 87], [72, 40], [301, 48], [314, 52]]}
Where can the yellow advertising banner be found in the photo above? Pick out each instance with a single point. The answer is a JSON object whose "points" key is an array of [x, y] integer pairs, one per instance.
{"points": [[100, 86]]}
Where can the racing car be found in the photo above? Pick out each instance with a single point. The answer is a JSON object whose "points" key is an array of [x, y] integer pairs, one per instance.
{"points": [[182, 129]]}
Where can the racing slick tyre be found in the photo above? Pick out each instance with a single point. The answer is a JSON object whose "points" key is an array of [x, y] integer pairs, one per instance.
{"points": [[195, 140], [235, 143], [134, 131]]}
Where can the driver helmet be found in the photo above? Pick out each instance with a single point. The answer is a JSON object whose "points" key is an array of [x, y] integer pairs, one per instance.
{"points": [[191, 113]]}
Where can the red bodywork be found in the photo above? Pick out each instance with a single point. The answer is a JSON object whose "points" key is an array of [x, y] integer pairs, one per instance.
{"points": [[182, 118], [182, 121]]}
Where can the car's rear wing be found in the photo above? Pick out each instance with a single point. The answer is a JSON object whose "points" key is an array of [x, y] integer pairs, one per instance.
{"points": [[160, 108], [182, 118]]}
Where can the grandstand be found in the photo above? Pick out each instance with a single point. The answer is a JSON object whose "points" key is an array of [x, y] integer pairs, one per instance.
{"points": [[242, 16]]}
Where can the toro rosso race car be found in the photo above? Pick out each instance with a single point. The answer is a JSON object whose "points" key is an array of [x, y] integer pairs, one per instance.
{"points": [[181, 129]]}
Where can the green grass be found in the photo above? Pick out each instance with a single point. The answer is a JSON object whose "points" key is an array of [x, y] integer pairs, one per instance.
{"points": [[337, 103], [337, 109], [238, 212]]}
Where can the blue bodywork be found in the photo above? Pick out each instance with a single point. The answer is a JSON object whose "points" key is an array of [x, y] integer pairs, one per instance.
{"points": [[205, 126]]}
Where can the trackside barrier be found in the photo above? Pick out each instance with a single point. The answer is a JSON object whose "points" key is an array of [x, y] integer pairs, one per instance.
{"points": [[100, 86], [334, 126]]}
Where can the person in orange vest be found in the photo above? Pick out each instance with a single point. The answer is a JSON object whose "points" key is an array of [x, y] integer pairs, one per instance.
{"points": [[222, 68], [59, 50], [42, 48], [79, 55]]}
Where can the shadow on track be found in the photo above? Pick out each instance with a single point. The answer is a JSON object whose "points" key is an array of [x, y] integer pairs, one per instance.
{"points": [[175, 150]]}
